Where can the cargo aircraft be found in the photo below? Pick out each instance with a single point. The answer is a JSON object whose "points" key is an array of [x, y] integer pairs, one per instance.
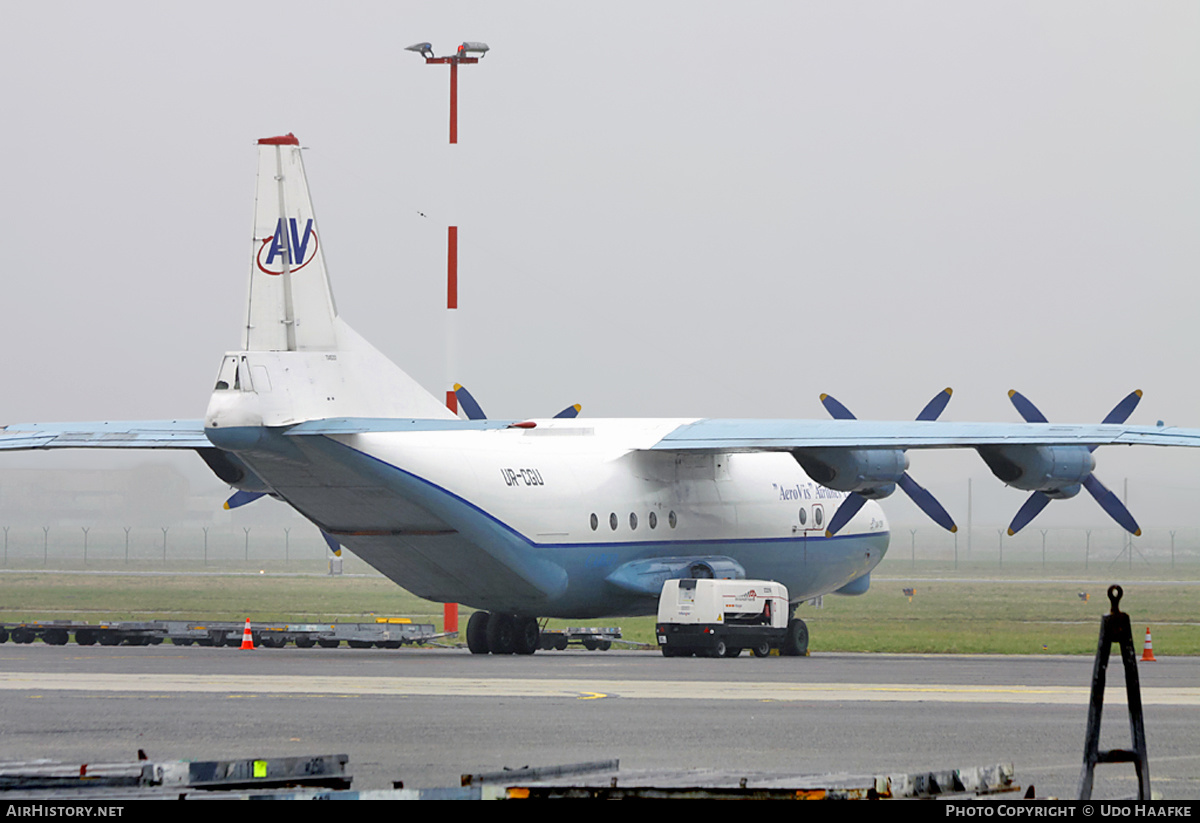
{"points": [[558, 517]]}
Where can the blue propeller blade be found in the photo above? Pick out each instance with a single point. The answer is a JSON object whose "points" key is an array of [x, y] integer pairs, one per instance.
{"points": [[1033, 506], [836, 410], [1120, 414], [1112, 504], [240, 498], [845, 512], [1122, 410], [934, 408], [1029, 412], [927, 503], [474, 412], [332, 542], [467, 403]]}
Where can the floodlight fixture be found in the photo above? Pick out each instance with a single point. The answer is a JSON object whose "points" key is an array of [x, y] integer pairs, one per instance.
{"points": [[462, 55], [470, 46]]}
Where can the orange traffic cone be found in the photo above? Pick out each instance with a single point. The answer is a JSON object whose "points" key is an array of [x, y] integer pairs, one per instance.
{"points": [[1148, 650], [247, 638]]}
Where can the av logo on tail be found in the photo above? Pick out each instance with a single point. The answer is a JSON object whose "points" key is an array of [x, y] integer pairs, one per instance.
{"points": [[291, 244]]}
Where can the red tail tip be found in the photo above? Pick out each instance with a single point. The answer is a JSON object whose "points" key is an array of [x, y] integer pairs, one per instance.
{"points": [[288, 139]]}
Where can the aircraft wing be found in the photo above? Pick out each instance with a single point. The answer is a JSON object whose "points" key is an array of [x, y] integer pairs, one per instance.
{"points": [[128, 434], [717, 435]]}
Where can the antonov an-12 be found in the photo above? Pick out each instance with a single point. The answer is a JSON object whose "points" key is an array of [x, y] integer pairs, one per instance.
{"points": [[561, 517]]}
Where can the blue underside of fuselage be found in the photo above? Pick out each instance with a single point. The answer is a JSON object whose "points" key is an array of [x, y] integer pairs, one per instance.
{"points": [[441, 546]]}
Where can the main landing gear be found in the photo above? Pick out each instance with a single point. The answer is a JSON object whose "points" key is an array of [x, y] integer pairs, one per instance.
{"points": [[502, 634]]}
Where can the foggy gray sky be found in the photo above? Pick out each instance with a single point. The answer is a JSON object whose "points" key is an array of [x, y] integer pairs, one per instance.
{"points": [[665, 209]]}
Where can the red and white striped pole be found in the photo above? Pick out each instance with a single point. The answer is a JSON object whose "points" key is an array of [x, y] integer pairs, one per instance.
{"points": [[461, 55], [450, 610]]}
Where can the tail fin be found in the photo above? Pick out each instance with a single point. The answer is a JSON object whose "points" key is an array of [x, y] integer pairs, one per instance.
{"points": [[300, 361], [291, 306]]}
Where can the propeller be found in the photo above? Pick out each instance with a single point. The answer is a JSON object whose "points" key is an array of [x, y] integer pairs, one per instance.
{"points": [[241, 498], [472, 410], [1099, 492], [925, 501]]}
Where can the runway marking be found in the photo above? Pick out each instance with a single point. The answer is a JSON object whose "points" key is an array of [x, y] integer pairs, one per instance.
{"points": [[240, 686]]}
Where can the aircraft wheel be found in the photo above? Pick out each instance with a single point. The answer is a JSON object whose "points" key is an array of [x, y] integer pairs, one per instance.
{"points": [[763, 649], [796, 642], [526, 635], [501, 634], [477, 628]]}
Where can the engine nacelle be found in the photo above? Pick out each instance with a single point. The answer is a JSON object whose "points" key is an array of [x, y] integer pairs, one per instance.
{"points": [[1055, 470], [873, 473]]}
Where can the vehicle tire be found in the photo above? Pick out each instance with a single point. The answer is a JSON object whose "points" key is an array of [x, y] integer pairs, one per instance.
{"points": [[85, 637], [732, 652], [719, 649], [477, 628], [328, 643], [526, 635], [109, 639], [590, 644], [604, 645], [796, 642], [3, 635], [23, 636], [182, 641], [501, 634], [359, 644], [763, 649], [305, 642], [561, 643]]}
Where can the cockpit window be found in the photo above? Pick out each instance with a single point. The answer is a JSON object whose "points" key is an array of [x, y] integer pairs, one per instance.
{"points": [[228, 376]]}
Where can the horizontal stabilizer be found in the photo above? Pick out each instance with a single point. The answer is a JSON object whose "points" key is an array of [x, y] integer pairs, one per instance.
{"points": [[113, 434]]}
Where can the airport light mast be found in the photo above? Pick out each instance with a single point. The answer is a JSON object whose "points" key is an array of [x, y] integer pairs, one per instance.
{"points": [[461, 56]]}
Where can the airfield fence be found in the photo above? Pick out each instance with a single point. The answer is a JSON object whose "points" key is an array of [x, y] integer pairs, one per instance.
{"points": [[987, 549]]}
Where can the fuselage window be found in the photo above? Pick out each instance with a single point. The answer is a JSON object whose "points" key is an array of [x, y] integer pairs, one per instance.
{"points": [[595, 522], [818, 516], [672, 519], [632, 521], [612, 521], [653, 520], [803, 517]]}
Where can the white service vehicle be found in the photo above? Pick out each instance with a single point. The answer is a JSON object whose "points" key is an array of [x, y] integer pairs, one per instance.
{"points": [[719, 618]]}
